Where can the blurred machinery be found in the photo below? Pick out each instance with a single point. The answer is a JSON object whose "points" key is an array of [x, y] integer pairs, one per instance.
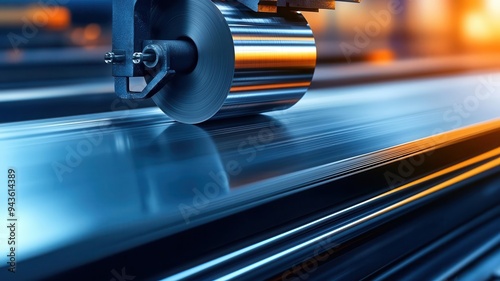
{"points": [[272, 6], [214, 58]]}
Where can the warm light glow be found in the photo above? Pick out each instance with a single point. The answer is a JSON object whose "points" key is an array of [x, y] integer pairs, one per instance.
{"points": [[92, 32], [275, 57], [476, 27], [382, 56], [262, 87], [87, 35], [39, 16], [57, 17], [251, 38], [430, 16], [493, 7], [493, 10], [481, 23], [318, 20]]}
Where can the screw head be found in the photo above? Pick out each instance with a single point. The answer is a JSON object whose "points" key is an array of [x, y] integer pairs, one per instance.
{"points": [[137, 58], [109, 57]]}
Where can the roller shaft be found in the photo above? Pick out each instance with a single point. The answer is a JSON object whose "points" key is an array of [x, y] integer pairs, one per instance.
{"points": [[247, 62]]}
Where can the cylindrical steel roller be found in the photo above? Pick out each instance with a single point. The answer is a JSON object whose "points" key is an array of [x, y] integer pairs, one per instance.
{"points": [[247, 62]]}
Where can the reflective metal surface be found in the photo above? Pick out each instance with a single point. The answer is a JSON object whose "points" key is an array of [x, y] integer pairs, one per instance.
{"points": [[387, 169], [300, 5], [247, 62], [372, 216], [119, 179]]}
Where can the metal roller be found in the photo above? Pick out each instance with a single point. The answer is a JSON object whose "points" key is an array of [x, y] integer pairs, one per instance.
{"points": [[247, 62], [205, 59]]}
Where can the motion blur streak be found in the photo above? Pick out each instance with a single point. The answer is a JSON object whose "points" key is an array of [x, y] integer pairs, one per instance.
{"points": [[461, 178], [257, 39], [269, 86], [275, 57], [415, 95], [454, 168], [450, 137], [465, 176]]}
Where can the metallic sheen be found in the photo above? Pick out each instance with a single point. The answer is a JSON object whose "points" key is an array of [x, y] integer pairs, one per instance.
{"points": [[271, 6], [124, 174], [248, 62]]}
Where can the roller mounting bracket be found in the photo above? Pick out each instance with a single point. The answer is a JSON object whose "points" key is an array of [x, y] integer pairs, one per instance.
{"points": [[159, 52], [131, 29]]}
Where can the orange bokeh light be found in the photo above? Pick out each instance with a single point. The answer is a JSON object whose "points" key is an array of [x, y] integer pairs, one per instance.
{"points": [[56, 18], [382, 56], [92, 32], [476, 27]]}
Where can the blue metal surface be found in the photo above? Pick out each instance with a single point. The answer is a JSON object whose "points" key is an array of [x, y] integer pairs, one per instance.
{"points": [[122, 178]]}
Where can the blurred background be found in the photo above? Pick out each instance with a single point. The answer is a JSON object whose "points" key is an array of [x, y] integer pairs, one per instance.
{"points": [[44, 41], [403, 29], [52, 41], [52, 66]]}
